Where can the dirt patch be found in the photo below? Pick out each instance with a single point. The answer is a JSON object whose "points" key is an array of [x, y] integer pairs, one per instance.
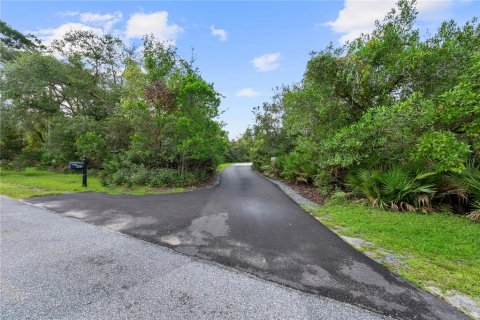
{"points": [[307, 191]]}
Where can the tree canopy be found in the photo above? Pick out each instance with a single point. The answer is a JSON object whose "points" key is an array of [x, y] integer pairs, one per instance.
{"points": [[142, 118], [387, 100]]}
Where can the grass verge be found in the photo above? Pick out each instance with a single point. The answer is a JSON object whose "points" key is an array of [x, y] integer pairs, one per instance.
{"points": [[224, 166], [34, 182], [439, 250]]}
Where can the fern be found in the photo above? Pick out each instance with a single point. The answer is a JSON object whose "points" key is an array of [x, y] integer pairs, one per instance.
{"points": [[396, 188]]}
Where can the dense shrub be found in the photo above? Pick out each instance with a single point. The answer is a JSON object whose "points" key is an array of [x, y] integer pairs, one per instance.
{"points": [[297, 167], [154, 177], [468, 183], [397, 188], [375, 107]]}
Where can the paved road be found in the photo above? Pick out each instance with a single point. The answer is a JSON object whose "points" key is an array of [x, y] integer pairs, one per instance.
{"points": [[248, 223], [54, 267]]}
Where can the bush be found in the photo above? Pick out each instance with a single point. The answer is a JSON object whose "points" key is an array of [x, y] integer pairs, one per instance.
{"points": [[338, 198], [169, 177], [443, 150], [323, 182], [11, 135], [396, 188], [468, 181], [94, 146], [130, 174], [61, 146], [297, 167]]}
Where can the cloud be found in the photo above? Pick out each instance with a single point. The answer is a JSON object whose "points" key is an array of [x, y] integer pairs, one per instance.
{"points": [[106, 21], [68, 13], [48, 35], [155, 23], [248, 92], [267, 62], [357, 17], [221, 33]]}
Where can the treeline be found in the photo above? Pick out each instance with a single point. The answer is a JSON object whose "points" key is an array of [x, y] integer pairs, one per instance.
{"points": [[392, 117], [142, 117]]}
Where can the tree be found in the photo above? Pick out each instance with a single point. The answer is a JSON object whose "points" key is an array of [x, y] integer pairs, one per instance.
{"points": [[387, 100], [151, 116]]}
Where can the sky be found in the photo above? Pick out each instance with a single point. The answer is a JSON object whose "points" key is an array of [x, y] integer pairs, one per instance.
{"points": [[247, 49]]}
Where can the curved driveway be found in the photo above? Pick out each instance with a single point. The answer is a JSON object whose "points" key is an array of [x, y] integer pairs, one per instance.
{"points": [[248, 223]]}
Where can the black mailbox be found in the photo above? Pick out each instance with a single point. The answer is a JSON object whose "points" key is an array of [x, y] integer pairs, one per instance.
{"points": [[76, 165], [80, 165]]}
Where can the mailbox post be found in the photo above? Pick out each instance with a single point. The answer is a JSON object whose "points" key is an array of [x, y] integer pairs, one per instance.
{"points": [[84, 171], [81, 165]]}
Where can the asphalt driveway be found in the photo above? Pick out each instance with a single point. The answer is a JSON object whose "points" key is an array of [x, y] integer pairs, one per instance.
{"points": [[248, 223], [53, 267]]}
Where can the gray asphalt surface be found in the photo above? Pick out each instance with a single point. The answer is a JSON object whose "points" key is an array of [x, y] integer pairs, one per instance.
{"points": [[53, 267], [248, 223]]}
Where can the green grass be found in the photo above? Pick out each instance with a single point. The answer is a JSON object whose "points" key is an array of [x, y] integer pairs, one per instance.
{"points": [[440, 250], [34, 182], [224, 166]]}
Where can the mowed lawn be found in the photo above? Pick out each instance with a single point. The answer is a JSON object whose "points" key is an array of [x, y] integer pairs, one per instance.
{"points": [[439, 250], [34, 182]]}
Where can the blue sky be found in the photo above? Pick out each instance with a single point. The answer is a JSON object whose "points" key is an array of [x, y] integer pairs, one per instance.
{"points": [[245, 48]]}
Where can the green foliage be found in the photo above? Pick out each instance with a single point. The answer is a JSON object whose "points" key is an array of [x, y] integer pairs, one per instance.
{"points": [[296, 167], [12, 42], [397, 188], [271, 137], [14, 39], [152, 114], [384, 101], [443, 150], [61, 144], [93, 144], [338, 198], [129, 174], [469, 180], [11, 135], [240, 150]]}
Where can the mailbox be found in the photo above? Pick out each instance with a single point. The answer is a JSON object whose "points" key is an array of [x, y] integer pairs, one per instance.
{"points": [[80, 165], [75, 165]]}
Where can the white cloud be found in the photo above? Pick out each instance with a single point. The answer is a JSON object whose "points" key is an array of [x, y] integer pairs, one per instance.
{"points": [[359, 17], [221, 33], [248, 92], [155, 23], [68, 13], [48, 35], [106, 21], [266, 62]]}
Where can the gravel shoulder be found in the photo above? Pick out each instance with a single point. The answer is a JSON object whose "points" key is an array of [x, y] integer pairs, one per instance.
{"points": [[59, 268]]}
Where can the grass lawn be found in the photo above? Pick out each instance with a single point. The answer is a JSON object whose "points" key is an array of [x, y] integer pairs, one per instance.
{"points": [[33, 182], [440, 250]]}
